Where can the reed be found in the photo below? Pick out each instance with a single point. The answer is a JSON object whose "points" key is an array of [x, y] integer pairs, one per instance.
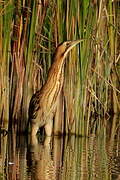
{"points": [[6, 12], [30, 31]]}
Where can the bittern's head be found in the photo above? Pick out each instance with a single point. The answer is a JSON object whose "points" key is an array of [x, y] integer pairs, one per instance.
{"points": [[65, 47]]}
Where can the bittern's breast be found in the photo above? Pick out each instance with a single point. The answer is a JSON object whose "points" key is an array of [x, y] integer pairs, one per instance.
{"points": [[50, 97], [44, 102]]}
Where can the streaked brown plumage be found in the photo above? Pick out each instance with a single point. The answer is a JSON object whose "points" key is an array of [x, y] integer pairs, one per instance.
{"points": [[43, 103]]}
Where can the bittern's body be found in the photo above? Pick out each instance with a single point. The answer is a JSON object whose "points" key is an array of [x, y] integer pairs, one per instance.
{"points": [[43, 103]]}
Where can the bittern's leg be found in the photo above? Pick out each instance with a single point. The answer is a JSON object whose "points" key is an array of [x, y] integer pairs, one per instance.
{"points": [[48, 128], [34, 129]]}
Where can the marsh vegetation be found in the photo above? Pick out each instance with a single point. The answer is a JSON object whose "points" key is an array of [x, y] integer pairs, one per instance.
{"points": [[89, 104], [29, 34]]}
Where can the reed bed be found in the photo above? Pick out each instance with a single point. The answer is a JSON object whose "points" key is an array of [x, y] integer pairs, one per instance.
{"points": [[29, 34]]}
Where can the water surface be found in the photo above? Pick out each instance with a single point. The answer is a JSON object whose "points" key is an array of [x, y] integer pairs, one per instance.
{"points": [[59, 158]]}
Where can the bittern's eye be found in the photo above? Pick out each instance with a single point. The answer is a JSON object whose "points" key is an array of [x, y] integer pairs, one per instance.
{"points": [[66, 43]]}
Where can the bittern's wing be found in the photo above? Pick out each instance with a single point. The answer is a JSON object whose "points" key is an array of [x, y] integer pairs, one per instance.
{"points": [[34, 106]]}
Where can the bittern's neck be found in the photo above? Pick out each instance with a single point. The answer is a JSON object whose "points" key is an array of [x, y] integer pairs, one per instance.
{"points": [[57, 65], [59, 61]]}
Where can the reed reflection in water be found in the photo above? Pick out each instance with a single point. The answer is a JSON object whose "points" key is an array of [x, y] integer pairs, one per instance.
{"points": [[59, 158]]}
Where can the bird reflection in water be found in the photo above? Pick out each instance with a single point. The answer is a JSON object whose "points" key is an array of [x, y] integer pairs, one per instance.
{"points": [[41, 159]]}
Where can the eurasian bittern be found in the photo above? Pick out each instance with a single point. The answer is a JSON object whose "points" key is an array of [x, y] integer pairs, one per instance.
{"points": [[43, 103]]}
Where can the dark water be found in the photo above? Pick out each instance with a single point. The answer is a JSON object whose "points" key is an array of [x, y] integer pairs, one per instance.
{"points": [[60, 158]]}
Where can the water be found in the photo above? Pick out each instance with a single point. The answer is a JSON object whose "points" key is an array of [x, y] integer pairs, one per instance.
{"points": [[60, 158]]}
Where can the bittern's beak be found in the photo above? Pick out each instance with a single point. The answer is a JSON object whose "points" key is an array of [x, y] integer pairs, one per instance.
{"points": [[71, 44]]}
